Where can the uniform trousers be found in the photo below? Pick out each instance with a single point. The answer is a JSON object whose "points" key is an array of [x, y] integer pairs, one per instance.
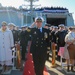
{"points": [[39, 62], [23, 52]]}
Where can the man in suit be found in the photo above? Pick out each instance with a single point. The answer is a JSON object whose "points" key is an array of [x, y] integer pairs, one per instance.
{"points": [[40, 45]]}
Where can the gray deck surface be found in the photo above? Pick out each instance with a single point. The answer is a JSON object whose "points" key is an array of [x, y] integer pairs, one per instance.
{"points": [[52, 71]]}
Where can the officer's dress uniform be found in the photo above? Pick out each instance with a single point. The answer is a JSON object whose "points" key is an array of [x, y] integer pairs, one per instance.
{"points": [[60, 35], [23, 42], [39, 45], [15, 35], [61, 38], [53, 47], [53, 36]]}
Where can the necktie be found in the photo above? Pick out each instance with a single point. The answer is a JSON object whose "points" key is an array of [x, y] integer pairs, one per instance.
{"points": [[40, 30]]}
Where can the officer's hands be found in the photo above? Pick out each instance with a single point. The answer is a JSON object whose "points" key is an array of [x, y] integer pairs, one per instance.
{"points": [[31, 54], [12, 47], [33, 24], [54, 44], [69, 43], [48, 48]]}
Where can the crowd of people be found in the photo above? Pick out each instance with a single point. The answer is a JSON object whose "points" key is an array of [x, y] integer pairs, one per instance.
{"points": [[42, 40], [63, 38]]}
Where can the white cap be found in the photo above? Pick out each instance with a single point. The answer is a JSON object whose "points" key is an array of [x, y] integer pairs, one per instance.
{"points": [[24, 26], [39, 19], [11, 24], [4, 23], [61, 25]]}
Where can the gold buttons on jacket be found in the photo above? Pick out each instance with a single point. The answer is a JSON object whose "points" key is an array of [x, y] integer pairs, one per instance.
{"points": [[42, 38], [41, 46], [41, 42], [36, 41], [37, 38], [36, 45]]}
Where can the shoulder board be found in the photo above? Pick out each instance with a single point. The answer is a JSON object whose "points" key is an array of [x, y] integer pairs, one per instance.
{"points": [[28, 30]]}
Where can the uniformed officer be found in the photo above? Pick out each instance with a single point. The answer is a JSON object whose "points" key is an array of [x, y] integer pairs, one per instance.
{"points": [[60, 35], [15, 32], [40, 45], [23, 44], [47, 27], [53, 45], [15, 36], [23, 41]]}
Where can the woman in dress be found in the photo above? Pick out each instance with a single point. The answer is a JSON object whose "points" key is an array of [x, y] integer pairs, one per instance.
{"points": [[70, 45], [6, 45]]}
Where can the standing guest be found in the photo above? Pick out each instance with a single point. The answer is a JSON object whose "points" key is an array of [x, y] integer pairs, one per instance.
{"points": [[6, 44], [70, 40], [39, 46]]}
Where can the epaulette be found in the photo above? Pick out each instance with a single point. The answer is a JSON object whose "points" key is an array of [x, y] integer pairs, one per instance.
{"points": [[28, 30]]}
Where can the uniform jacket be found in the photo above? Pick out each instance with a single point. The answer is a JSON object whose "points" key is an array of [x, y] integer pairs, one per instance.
{"points": [[23, 38], [60, 35], [53, 36], [15, 35], [40, 40]]}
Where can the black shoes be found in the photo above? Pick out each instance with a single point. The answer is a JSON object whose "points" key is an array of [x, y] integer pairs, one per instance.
{"points": [[68, 69], [72, 69]]}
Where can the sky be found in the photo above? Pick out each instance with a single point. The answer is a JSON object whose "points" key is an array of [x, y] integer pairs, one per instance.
{"points": [[69, 4]]}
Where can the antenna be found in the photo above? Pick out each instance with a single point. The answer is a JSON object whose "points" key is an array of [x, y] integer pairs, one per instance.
{"points": [[31, 4], [31, 9]]}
